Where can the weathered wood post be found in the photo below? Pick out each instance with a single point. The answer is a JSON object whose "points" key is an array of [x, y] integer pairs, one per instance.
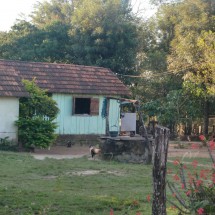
{"points": [[144, 133], [107, 117], [159, 170]]}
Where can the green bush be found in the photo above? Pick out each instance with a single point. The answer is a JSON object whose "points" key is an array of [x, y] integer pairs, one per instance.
{"points": [[36, 124], [36, 132]]}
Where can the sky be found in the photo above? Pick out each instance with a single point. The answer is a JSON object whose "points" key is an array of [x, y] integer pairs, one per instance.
{"points": [[10, 10]]}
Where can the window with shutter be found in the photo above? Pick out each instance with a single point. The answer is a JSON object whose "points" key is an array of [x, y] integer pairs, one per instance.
{"points": [[86, 106]]}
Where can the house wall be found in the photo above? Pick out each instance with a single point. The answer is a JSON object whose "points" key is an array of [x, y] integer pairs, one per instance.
{"points": [[9, 112], [84, 124]]}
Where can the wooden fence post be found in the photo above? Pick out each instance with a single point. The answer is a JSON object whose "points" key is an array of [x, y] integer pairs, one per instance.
{"points": [[159, 170]]}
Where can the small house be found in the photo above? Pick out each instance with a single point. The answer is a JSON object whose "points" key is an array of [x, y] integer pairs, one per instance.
{"points": [[85, 95]]}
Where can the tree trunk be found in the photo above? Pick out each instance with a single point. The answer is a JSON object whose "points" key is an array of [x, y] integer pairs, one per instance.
{"points": [[159, 170], [206, 115]]}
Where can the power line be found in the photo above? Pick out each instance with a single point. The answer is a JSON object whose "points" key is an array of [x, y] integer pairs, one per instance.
{"points": [[171, 72], [147, 75]]}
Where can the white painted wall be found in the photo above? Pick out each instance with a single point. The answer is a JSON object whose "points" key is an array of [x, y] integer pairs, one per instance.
{"points": [[9, 112]]}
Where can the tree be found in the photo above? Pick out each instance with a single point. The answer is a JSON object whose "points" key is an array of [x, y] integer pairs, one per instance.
{"points": [[101, 33], [104, 34], [21, 42], [192, 48], [36, 118], [156, 84], [54, 11], [157, 88], [45, 38], [29, 43]]}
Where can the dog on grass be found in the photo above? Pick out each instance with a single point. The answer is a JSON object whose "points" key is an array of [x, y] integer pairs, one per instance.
{"points": [[94, 151]]}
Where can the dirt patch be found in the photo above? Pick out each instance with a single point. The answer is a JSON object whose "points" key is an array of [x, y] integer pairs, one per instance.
{"points": [[62, 152], [77, 151], [188, 152], [94, 172]]}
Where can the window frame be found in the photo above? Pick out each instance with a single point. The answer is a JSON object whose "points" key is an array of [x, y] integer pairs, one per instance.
{"points": [[94, 106]]}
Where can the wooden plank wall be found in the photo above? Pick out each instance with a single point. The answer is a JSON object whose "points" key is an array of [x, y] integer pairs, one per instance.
{"points": [[85, 124]]}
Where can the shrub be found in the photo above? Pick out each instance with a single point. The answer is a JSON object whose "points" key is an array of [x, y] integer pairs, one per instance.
{"points": [[196, 194], [37, 112], [36, 132]]}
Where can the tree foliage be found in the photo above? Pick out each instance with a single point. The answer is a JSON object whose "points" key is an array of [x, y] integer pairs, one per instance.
{"points": [[181, 41], [192, 49], [156, 84], [193, 45], [105, 34], [50, 12], [27, 42]]}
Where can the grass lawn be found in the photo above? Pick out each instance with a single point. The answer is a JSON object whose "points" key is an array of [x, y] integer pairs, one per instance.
{"points": [[73, 186], [77, 186]]}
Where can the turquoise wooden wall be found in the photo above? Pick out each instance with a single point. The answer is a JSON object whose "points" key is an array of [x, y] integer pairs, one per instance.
{"points": [[77, 124]]}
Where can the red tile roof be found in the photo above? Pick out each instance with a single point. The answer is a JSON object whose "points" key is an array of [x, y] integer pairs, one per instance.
{"points": [[59, 78]]}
